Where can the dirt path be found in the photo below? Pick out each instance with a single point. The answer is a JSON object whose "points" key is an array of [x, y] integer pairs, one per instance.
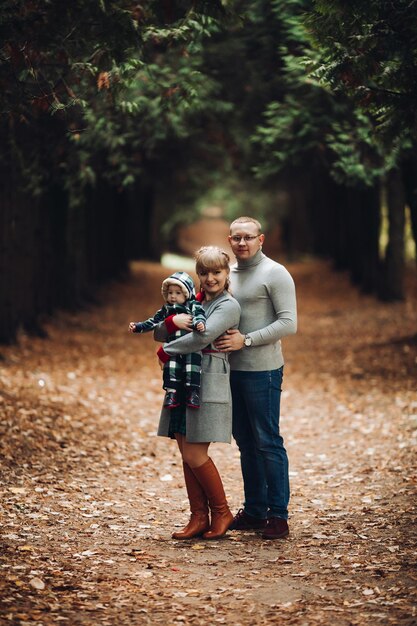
{"points": [[90, 495]]}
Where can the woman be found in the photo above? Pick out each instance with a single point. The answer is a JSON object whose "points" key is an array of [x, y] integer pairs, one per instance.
{"points": [[194, 429]]}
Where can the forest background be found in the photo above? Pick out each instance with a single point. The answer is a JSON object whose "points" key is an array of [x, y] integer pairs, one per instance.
{"points": [[125, 127], [121, 121]]}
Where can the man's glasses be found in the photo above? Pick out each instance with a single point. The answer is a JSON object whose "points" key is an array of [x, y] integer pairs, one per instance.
{"points": [[246, 238]]}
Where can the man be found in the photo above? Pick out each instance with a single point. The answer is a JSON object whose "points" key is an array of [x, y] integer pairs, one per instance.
{"points": [[266, 294]]}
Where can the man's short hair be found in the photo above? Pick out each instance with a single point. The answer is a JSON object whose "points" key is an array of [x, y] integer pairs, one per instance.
{"points": [[244, 219]]}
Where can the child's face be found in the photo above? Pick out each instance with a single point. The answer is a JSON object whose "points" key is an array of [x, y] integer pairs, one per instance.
{"points": [[175, 295]]}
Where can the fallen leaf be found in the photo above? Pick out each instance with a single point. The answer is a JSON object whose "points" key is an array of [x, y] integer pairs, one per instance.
{"points": [[37, 583]]}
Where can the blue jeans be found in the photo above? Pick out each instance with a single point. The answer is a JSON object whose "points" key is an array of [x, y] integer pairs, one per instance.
{"points": [[264, 461]]}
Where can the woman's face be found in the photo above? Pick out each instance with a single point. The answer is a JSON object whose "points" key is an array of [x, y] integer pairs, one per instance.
{"points": [[213, 282]]}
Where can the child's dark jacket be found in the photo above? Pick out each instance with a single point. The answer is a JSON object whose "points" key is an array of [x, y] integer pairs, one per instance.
{"points": [[191, 307]]}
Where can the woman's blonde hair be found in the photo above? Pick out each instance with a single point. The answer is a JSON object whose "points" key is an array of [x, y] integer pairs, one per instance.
{"points": [[212, 258]]}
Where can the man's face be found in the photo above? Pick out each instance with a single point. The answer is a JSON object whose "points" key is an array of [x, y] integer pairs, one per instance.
{"points": [[245, 248]]}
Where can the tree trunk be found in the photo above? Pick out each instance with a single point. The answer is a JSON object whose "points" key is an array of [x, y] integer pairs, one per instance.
{"points": [[392, 280], [347, 230], [323, 211], [140, 209], [299, 233], [366, 233], [371, 242], [342, 236], [410, 185], [8, 318], [56, 257]]}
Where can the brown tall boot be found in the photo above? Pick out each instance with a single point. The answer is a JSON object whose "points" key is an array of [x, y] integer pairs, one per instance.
{"points": [[199, 520], [221, 517]]}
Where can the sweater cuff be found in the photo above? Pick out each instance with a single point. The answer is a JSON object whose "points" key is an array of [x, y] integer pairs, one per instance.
{"points": [[162, 355], [170, 325]]}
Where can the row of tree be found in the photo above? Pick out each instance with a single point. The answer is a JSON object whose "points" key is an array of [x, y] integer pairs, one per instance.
{"points": [[350, 109], [95, 99], [117, 116]]}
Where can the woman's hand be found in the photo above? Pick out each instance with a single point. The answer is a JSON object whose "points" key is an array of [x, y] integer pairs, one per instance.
{"points": [[183, 321]]}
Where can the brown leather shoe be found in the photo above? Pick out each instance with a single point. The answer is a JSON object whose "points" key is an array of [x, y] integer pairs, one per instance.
{"points": [[276, 528], [243, 521], [198, 525], [220, 522], [221, 517], [199, 521]]}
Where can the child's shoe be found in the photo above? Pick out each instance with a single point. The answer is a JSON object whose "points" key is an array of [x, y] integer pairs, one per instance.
{"points": [[193, 399], [171, 400]]}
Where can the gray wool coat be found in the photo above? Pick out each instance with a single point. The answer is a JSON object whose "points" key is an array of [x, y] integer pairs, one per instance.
{"points": [[213, 421]]}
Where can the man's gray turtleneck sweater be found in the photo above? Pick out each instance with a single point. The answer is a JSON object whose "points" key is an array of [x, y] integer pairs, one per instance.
{"points": [[266, 294]]}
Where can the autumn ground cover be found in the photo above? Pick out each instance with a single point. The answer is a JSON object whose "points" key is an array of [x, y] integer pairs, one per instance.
{"points": [[90, 495]]}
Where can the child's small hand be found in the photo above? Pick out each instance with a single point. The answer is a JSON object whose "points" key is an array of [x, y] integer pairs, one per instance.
{"points": [[132, 327], [200, 327]]}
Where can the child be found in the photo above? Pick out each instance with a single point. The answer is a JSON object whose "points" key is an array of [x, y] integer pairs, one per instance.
{"points": [[179, 295]]}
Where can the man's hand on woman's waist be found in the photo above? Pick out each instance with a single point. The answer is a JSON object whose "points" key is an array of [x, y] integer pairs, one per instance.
{"points": [[230, 341]]}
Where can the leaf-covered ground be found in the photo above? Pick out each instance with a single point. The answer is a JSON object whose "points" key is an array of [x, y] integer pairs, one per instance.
{"points": [[90, 495]]}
